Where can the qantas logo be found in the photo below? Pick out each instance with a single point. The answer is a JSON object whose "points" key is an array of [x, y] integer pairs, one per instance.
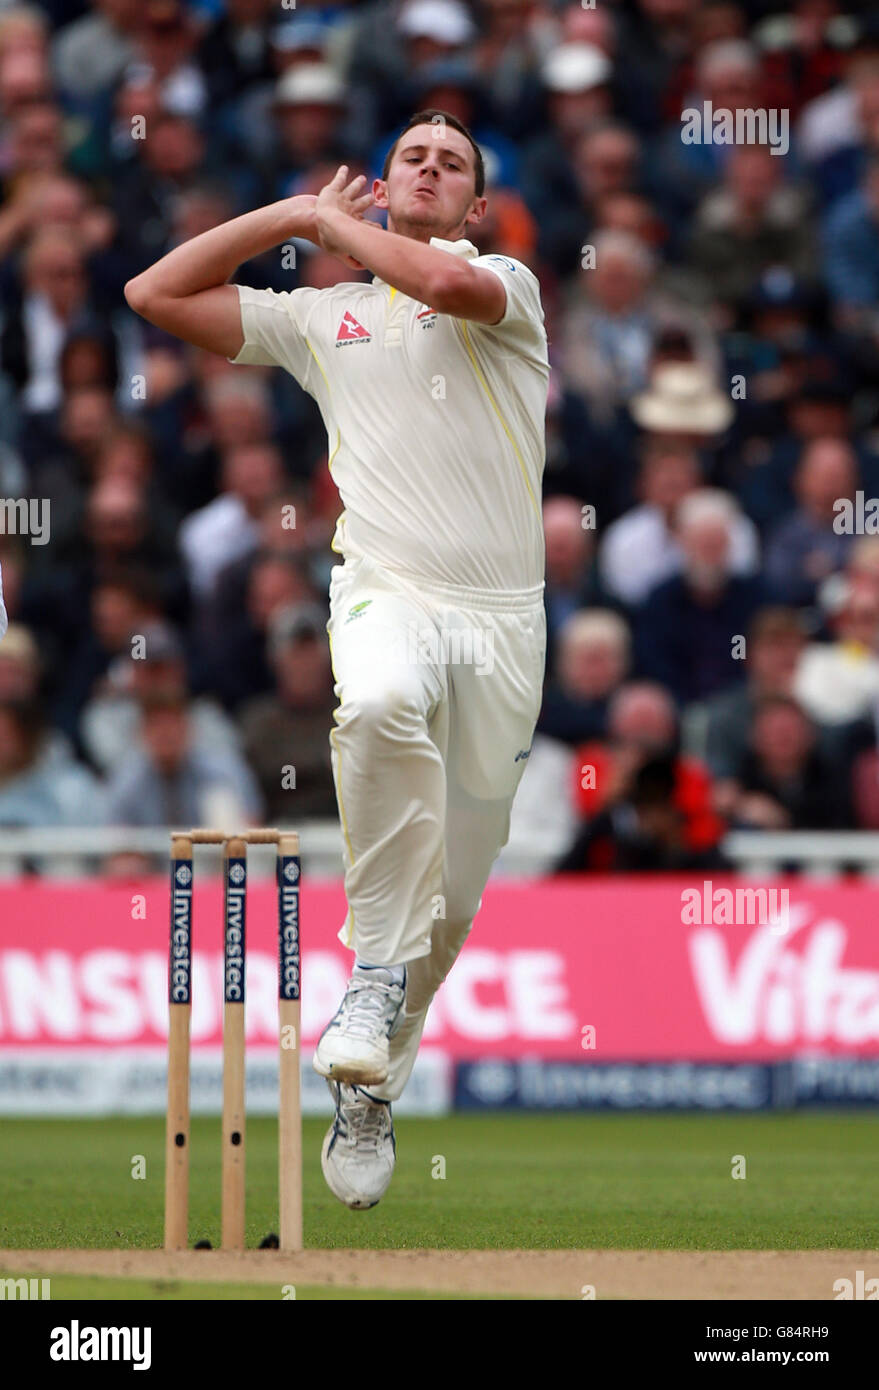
{"points": [[350, 331]]}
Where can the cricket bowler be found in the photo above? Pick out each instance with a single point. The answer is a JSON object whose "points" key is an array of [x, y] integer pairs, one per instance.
{"points": [[432, 383]]}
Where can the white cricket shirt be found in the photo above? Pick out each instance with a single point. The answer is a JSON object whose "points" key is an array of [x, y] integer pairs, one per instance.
{"points": [[435, 424]]}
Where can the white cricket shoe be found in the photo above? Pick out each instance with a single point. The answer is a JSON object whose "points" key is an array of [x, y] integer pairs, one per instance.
{"points": [[354, 1045], [359, 1150]]}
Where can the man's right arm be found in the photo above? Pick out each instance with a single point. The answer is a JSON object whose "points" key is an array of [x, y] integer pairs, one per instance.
{"points": [[186, 293]]}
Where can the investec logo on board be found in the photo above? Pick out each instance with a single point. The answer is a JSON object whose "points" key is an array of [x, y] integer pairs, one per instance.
{"points": [[236, 890], [289, 884], [181, 936]]}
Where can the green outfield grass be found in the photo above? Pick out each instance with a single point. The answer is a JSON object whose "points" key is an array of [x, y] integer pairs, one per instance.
{"points": [[76, 1287], [512, 1181]]}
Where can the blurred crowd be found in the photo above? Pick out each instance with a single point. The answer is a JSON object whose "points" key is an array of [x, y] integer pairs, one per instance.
{"points": [[714, 338]]}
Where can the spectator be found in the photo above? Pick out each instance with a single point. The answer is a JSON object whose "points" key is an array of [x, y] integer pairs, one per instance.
{"points": [[227, 528], [838, 681], [783, 782], [568, 551], [613, 320], [55, 296], [851, 247], [41, 784], [235, 52], [642, 725], [576, 79], [642, 833], [806, 547], [165, 40], [169, 156], [752, 222], [687, 626], [121, 602], [167, 780], [231, 638], [593, 657], [775, 642], [286, 733], [835, 127], [154, 664], [91, 53], [640, 549], [817, 410], [727, 75], [310, 106]]}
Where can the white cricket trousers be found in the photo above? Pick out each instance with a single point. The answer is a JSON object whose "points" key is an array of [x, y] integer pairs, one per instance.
{"points": [[439, 690]]}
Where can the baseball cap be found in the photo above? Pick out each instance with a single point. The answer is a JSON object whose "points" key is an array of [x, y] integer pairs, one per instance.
{"points": [[446, 21], [293, 35], [160, 643], [312, 84], [295, 621], [576, 67]]}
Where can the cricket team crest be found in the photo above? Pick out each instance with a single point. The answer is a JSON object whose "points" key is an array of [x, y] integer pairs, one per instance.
{"points": [[357, 610]]}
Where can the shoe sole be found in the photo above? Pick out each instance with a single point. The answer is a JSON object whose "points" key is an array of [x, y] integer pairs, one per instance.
{"points": [[353, 1073]]}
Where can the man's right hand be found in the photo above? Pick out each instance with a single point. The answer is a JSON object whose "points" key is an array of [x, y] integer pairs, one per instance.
{"points": [[312, 232]]}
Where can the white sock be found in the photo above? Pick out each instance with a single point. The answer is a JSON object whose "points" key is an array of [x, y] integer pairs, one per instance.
{"points": [[389, 974]]}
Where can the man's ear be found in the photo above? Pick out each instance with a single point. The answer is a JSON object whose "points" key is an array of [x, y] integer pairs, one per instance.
{"points": [[380, 193], [477, 211]]}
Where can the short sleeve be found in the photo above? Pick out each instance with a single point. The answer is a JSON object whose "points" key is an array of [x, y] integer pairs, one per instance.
{"points": [[275, 325], [522, 322]]}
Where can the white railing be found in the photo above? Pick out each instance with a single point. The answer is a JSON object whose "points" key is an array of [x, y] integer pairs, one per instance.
{"points": [[84, 851], [818, 853], [71, 852]]}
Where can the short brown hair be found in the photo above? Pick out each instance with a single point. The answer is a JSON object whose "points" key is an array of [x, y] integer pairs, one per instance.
{"points": [[428, 117], [775, 624]]}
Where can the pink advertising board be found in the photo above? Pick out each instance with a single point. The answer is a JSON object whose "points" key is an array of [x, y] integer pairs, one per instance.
{"points": [[587, 970]]}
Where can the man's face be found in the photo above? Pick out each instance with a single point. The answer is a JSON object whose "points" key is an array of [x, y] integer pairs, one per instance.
{"points": [[430, 185], [307, 129], [56, 271], [781, 737], [705, 545], [303, 670], [668, 476], [165, 733], [773, 661]]}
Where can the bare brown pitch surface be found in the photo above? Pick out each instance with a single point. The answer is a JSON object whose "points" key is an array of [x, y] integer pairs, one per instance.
{"points": [[649, 1274]]}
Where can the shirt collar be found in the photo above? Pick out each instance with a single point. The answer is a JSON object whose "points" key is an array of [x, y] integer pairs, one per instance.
{"points": [[457, 248]]}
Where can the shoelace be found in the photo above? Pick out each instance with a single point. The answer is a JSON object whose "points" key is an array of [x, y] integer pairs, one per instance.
{"points": [[364, 1008], [366, 1122]]}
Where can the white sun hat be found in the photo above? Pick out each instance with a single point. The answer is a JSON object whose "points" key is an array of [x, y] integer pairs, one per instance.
{"points": [[683, 398]]}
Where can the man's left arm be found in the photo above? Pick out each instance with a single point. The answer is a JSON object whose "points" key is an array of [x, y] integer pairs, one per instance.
{"points": [[425, 273]]}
